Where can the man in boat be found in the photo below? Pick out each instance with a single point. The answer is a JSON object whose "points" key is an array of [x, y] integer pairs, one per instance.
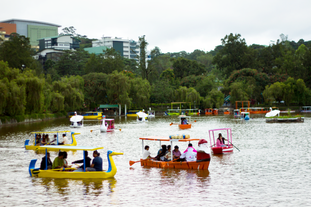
{"points": [[58, 161], [65, 140], [43, 162], [97, 163], [190, 154], [87, 162], [146, 154]]}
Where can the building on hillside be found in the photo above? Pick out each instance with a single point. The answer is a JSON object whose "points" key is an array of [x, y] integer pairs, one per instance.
{"points": [[127, 48], [34, 30], [6, 30]]}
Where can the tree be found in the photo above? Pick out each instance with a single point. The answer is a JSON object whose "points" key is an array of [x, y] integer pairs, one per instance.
{"points": [[233, 56], [118, 89], [183, 67], [162, 92], [206, 84], [238, 92], [142, 57], [140, 92], [17, 52]]}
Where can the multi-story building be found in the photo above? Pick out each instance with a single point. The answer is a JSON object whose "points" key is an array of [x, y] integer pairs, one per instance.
{"points": [[34, 30], [62, 42], [5, 31], [127, 48]]}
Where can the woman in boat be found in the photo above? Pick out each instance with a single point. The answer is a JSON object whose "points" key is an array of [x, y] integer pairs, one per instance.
{"points": [[43, 162], [38, 140], [168, 155], [97, 163], [161, 153], [220, 141], [176, 153]]}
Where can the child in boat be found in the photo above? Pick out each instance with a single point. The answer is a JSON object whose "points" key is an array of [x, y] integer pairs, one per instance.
{"points": [[168, 155]]}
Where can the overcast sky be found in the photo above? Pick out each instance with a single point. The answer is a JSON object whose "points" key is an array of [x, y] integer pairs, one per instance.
{"points": [[172, 25]]}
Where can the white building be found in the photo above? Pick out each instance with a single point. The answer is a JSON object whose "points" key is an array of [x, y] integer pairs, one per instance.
{"points": [[127, 48]]}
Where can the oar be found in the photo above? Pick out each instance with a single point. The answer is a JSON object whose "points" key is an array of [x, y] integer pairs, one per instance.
{"points": [[173, 124], [233, 145], [133, 162]]}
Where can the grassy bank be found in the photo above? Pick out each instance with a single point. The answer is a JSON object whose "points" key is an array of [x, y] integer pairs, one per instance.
{"points": [[30, 117]]}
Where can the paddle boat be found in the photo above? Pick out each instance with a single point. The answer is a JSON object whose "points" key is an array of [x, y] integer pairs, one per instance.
{"points": [[151, 113], [211, 111], [305, 109], [37, 140], [273, 113], [226, 111], [257, 110], [92, 115], [70, 172], [213, 141], [76, 121], [201, 164], [142, 116], [132, 113], [240, 114], [106, 125], [185, 122]]}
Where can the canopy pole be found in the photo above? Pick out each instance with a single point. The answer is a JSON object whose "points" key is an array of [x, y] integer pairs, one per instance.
{"points": [[125, 112], [119, 109], [84, 161], [46, 159]]}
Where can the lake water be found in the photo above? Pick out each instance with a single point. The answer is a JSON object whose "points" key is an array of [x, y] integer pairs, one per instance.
{"points": [[272, 168]]}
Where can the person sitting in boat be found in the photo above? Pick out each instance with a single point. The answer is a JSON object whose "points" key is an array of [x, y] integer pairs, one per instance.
{"points": [[45, 139], [43, 162], [55, 138], [176, 153], [190, 154], [37, 139], [97, 163], [65, 140], [220, 141], [184, 121], [87, 162], [65, 160], [168, 155], [146, 154], [161, 153], [203, 151], [58, 161]]}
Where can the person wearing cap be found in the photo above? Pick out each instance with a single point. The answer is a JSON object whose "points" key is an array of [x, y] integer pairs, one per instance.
{"points": [[203, 151], [97, 163]]}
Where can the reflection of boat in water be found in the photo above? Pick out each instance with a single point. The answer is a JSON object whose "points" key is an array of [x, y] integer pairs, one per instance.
{"points": [[92, 115], [197, 165], [76, 121], [106, 125], [213, 140], [70, 172], [55, 142]]}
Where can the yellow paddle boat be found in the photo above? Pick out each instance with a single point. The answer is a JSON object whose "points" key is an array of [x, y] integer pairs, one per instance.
{"points": [[39, 141], [70, 172], [93, 115]]}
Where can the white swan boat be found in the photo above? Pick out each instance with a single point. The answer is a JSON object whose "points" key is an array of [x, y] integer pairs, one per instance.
{"points": [[76, 121]]}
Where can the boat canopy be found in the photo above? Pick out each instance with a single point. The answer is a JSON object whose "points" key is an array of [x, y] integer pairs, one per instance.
{"points": [[76, 118], [52, 132], [159, 138], [62, 147]]}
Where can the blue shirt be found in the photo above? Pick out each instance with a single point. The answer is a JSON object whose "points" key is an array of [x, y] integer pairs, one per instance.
{"points": [[98, 163]]}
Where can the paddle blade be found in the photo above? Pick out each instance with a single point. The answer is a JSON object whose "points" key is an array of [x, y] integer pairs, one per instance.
{"points": [[119, 129], [171, 124], [132, 162], [91, 130], [195, 120]]}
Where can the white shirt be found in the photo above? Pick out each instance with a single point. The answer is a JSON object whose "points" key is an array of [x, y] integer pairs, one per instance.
{"points": [[146, 154], [65, 140]]}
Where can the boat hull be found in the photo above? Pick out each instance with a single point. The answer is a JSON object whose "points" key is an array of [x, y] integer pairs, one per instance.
{"points": [[222, 150], [69, 174], [184, 126], [195, 165]]}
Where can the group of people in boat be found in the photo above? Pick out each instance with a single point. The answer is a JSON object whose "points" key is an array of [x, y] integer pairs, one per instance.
{"points": [[184, 121], [44, 139], [61, 162], [190, 154]]}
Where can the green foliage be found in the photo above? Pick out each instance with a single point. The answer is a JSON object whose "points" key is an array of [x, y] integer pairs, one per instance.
{"points": [[57, 103], [238, 92], [140, 92], [191, 80], [214, 99], [118, 89], [17, 52], [95, 90], [206, 84], [183, 67], [161, 92]]}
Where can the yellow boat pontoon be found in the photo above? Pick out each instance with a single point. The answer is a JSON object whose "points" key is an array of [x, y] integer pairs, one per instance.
{"points": [[70, 172], [93, 115], [39, 141]]}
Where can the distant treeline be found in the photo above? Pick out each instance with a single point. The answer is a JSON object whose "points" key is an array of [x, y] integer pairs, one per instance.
{"points": [[77, 80]]}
